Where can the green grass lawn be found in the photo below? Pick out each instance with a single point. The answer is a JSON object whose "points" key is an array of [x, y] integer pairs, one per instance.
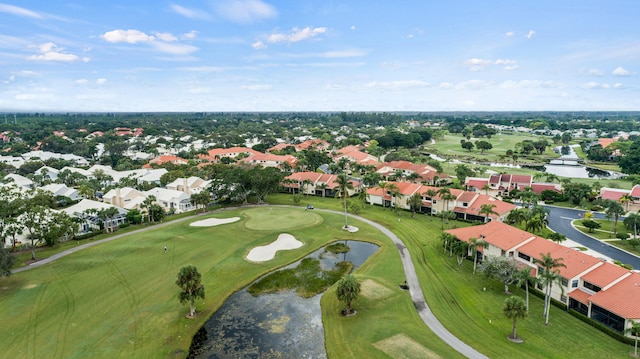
{"points": [[119, 299], [458, 300]]}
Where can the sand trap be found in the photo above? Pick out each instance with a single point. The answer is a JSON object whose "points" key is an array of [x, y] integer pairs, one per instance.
{"points": [[210, 222], [351, 229], [266, 253]]}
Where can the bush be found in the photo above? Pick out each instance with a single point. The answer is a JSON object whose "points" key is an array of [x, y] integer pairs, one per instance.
{"points": [[596, 208], [124, 225], [603, 328], [88, 235]]}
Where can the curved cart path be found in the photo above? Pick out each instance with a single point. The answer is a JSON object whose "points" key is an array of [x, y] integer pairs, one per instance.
{"points": [[415, 290]]}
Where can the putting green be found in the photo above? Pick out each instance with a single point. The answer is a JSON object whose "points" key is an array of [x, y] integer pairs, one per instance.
{"points": [[279, 219]]}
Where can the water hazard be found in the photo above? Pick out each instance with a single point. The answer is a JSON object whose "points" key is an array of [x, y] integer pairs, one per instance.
{"points": [[278, 325]]}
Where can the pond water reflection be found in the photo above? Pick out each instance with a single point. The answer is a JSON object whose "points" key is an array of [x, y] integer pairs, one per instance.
{"points": [[277, 325]]}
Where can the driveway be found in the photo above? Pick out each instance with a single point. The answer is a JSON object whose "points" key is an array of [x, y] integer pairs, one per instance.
{"points": [[560, 221]]}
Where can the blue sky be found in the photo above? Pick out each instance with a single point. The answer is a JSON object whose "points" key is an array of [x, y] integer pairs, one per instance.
{"points": [[257, 55]]}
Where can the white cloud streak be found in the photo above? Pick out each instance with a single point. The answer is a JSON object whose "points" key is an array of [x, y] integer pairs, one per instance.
{"points": [[51, 52], [296, 35], [246, 11], [128, 36], [20, 11], [398, 85], [190, 13], [620, 72]]}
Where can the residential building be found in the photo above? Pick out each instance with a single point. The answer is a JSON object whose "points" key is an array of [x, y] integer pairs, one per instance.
{"points": [[171, 200], [317, 184], [270, 160], [127, 198], [59, 189], [189, 185], [594, 287]]}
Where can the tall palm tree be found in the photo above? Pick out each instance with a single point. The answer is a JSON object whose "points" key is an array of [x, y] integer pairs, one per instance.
{"points": [[344, 185], [431, 193], [631, 222], [322, 186], [487, 209], [524, 276], [475, 244], [549, 275], [384, 186], [486, 188], [304, 184], [395, 196], [447, 239], [415, 203]]}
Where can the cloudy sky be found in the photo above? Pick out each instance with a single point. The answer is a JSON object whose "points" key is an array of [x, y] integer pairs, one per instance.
{"points": [[319, 55]]}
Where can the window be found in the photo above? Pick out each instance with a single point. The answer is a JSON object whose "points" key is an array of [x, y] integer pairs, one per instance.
{"points": [[524, 256], [565, 282], [590, 286], [433, 201], [563, 298], [574, 283], [502, 253], [511, 254], [465, 204]]}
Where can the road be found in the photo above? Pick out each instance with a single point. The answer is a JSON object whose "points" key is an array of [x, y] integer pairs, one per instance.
{"points": [[560, 221]]}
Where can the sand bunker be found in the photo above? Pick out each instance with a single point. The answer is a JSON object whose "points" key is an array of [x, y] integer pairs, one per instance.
{"points": [[266, 253], [210, 222]]}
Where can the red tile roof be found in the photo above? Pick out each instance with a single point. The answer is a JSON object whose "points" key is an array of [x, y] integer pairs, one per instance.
{"points": [[605, 274], [580, 295], [496, 233], [540, 187], [621, 298], [476, 182], [635, 191], [612, 193], [575, 261]]}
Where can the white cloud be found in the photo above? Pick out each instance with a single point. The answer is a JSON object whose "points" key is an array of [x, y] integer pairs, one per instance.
{"points": [[511, 84], [259, 45], [620, 71], [476, 64], [101, 81], [509, 34], [165, 36], [257, 87], [19, 11], [82, 81], [446, 86], [199, 90], [595, 85], [595, 72], [51, 52], [246, 11], [189, 13], [129, 36], [175, 49], [617, 85], [473, 85], [190, 35], [344, 53], [353, 27], [530, 34], [398, 85], [296, 35]]}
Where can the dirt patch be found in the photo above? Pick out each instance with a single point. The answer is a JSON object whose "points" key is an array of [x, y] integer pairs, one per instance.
{"points": [[374, 290], [210, 222], [276, 325], [402, 346]]}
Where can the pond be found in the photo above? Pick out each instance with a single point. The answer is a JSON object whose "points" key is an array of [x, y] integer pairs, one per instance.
{"points": [[276, 325]]}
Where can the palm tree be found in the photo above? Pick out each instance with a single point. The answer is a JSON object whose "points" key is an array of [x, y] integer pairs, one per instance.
{"points": [[487, 210], [515, 308], [448, 216], [615, 210], [486, 188], [474, 245], [625, 200], [303, 186], [517, 216], [631, 222], [442, 192], [524, 276], [344, 185], [461, 249], [347, 290], [549, 275], [146, 204], [395, 195], [383, 185], [557, 237], [447, 240], [413, 176], [322, 186], [431, 193], [415, 203], [634, 330]]}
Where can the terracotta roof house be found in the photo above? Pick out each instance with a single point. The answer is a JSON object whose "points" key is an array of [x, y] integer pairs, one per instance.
{"points": [[270, 160], [598, 289], [214, 155], [317, 184], [630, 200], [465, 204], [426, 173], [353, 154], [166, 159]]}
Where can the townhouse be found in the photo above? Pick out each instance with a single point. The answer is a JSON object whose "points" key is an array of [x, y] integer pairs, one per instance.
{"points": [[594, 287], [466, 205], [317, 184]]}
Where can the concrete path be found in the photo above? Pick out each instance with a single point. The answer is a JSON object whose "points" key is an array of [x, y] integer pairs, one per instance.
{"points": [[415, 290]]}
